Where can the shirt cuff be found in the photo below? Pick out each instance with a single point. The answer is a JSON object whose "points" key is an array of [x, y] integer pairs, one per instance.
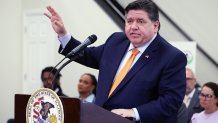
{"points": [[137, 118], [64, 40]]}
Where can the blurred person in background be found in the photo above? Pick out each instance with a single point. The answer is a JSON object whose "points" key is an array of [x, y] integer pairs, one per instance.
{"points": [[191, 99], [47, 80], [87, 87], [209, 101]]}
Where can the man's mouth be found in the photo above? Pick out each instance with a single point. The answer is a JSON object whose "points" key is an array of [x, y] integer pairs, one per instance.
{"points": [[134, 34]]}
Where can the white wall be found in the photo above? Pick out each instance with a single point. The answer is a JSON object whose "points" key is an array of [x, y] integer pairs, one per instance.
{"points": [[10, 53], [203, 65], [198, 19]]}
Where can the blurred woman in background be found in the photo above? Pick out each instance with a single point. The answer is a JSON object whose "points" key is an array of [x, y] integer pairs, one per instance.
{"points": [[87, 87], [209, 101]]}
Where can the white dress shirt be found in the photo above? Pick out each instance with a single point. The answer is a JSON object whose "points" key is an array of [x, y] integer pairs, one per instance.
{"points": [[89, 99], [188, 98]]}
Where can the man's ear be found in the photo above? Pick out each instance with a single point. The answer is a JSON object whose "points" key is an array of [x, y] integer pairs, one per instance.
{"points": [[156, 26]]}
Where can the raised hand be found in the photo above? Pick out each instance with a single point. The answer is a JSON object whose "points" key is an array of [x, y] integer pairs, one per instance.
{"points": [[56, 21]]}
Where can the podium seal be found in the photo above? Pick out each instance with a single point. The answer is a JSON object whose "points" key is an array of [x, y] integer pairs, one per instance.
{"points": [[44, 106]]}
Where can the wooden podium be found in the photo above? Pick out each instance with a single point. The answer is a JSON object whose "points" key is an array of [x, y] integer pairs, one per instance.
{"points": [[74, 111]]}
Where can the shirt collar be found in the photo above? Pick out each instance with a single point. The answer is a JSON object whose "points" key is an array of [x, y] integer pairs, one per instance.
{"points": [[190, 95], [144, 46]]}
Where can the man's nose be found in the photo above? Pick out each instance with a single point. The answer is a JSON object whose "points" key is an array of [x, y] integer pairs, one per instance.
{"points": [[134, 25]]}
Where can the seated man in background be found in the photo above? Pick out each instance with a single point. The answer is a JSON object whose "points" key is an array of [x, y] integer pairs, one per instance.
{"points": [[191, 99], [87, 87], [182, 114], [47, 80]]}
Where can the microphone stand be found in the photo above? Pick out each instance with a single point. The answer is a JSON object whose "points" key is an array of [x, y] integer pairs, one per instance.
{"points": [[75, 56]]}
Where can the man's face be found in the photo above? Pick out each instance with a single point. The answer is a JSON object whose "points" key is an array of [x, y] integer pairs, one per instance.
{"points": [[190, 81], [139, 28], [47, 80], [85, 85]]}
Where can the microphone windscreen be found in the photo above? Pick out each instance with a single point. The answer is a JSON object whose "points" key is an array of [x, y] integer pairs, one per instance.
{"points": [[93, 38]]}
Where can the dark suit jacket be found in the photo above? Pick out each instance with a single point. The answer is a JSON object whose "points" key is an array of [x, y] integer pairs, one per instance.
{"points": [[182, 114], [194, 106], [60, 92], [155, 85]]}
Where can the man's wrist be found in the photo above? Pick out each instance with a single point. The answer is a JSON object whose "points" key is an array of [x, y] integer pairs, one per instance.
{"points": [[62, 35], [64, 39], [136, 118]]}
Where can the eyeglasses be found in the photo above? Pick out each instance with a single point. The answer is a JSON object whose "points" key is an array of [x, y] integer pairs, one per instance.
{"points": [[206, 96]]}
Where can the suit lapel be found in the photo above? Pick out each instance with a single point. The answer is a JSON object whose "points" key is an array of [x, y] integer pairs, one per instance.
{"points": [[117, 54], [194, 100], [142, 61]]}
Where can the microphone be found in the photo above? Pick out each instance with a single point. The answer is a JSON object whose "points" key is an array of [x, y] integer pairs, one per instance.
{"points": [[91, 39]]}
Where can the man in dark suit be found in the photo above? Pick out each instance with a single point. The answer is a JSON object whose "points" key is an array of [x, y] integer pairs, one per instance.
{"points": [[182, 114], [192, 95], [154, 87]]}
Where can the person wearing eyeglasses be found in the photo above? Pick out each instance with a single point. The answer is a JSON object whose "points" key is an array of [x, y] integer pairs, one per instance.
{"points": [[191, 99], [209, 101]]}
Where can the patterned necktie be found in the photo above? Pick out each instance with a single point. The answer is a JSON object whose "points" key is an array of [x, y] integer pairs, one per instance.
{"points": [[124, 70]]}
